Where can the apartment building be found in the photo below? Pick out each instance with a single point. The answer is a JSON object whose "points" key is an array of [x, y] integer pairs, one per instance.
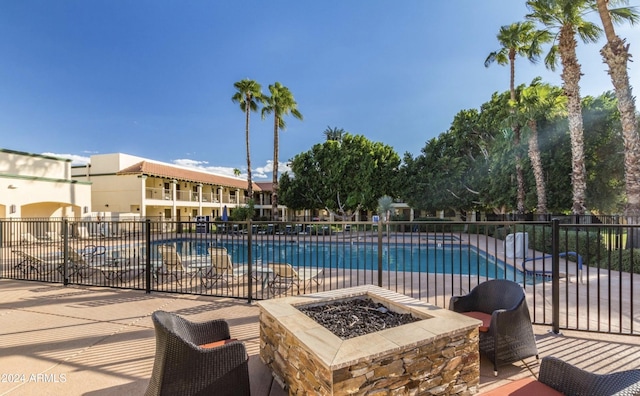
{"points": [[123, 183]]}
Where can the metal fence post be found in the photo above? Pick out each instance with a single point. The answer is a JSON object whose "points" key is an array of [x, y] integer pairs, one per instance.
{"points": [[65, 247], [250, 259], [555, 280], [379, 254], [147, 237]]}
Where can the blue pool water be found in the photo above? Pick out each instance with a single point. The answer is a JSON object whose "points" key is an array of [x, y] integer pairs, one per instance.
{"points": [[431, 258]]}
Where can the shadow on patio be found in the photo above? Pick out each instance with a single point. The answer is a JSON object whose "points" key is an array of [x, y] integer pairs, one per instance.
{"points": [[60, 340]]}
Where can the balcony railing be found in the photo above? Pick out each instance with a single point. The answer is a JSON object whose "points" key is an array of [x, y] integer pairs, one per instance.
{"points": [[191, 196]]}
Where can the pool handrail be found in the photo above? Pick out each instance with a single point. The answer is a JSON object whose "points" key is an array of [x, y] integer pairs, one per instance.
{"points": [[578, 257]]}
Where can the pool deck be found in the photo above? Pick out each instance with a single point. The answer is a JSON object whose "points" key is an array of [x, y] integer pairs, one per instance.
{"points": [[99, 341]]}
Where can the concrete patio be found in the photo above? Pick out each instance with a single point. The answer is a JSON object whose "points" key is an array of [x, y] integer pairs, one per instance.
{"points": [[58, 340]]}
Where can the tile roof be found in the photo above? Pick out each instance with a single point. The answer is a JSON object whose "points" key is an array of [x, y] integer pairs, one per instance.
{"points": [[173, 172], [265, 186]]}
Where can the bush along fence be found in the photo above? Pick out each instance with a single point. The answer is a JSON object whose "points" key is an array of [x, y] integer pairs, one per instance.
{"points": [[576, 276]]}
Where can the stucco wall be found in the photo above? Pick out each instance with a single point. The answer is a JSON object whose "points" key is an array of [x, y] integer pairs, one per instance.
{"points": [[33, 185]]}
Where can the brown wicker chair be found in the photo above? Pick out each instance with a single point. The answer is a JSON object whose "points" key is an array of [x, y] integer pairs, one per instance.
{"points": [[557, 377], [183, 367], [571, 380], [508, 333]]}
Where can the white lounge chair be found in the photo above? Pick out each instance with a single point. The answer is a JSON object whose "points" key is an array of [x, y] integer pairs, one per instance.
{"points": [[285, 277], [29, 238], [222, 269], [174, 265], [83, 233]]}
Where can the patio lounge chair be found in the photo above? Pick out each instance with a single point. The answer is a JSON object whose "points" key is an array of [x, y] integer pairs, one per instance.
{"points": [[174, 265], [184, 366], [557, 377], [285, 277], [29, 238], [83, 233], [221, 269], [54, 236], [506, 334], [29, 264], [83, 265]]}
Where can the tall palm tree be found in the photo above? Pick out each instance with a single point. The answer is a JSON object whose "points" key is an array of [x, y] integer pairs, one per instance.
{"points": [[280, 103], [616, 55], [519, 38], [564, 19], [539, 101], [248, 95]]}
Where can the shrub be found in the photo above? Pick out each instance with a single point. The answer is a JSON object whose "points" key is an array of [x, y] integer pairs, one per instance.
{"points": [[586, 243], [431, 226], [483, 229], [621, 260]]}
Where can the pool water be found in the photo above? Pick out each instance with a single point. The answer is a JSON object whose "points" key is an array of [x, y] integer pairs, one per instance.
{"points": [[429, 258]]}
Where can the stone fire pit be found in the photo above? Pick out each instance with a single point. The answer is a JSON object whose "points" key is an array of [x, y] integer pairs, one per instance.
{"points": [[437, 355]]}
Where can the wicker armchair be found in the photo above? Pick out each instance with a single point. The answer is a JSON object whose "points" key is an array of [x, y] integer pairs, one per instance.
{"points": [[182, 367], [507, 333], [557, 377], [571, 380]]}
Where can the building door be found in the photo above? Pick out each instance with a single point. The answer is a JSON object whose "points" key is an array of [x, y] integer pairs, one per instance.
{"points": [[167, 191]]}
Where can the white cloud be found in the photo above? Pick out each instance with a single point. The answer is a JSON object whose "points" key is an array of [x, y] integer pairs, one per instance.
{"points": [[189, 163], [75, 159], [267, 170], [204, 166], [261, 173]]}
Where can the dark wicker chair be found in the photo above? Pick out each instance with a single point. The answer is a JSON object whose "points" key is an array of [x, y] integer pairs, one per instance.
{"points": [[571, 380], [182, 367], [509, 335], [557, 377]]}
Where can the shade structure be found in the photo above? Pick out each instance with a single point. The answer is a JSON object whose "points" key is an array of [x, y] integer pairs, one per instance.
{"points": [[225, 215]]}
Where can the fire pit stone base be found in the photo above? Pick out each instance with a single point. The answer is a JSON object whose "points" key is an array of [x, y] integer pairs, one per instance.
{"points": [[437, 355]]}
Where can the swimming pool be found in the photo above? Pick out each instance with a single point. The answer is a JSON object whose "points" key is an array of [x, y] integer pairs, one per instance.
{"points": [[425, 258]]}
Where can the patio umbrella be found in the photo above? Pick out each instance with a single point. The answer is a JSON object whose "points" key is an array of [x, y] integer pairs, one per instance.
{"points": [[225, 216]]}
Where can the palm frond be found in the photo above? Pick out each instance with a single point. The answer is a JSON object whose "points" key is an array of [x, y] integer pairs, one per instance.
{"points": [[624, 14]]}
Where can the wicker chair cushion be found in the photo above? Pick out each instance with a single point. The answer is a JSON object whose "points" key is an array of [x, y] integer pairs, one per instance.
{"points": [[484, 317], [217, 343], [523, 387]]}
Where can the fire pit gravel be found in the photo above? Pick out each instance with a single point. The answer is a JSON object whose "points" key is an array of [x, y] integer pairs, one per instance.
{"points": [[355, 317]]}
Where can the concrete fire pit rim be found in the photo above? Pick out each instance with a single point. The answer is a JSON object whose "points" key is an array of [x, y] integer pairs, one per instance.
{"points": [[335, 353]]}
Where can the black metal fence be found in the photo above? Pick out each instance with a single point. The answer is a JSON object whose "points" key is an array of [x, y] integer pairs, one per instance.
{"points": [[577, 276]]}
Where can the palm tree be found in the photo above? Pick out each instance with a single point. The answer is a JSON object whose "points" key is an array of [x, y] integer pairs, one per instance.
{"points": [[564, 19], [385, 205], [519, 38], [616, 55], [249, 94], [280, 103], [539, 101], [334, 133]]}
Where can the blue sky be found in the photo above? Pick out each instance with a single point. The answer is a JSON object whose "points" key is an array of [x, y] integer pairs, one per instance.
{"points": [[154, 78]]}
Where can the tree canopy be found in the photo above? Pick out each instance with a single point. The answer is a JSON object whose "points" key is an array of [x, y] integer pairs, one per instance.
{"points": [[471, 166], [341, 176]]}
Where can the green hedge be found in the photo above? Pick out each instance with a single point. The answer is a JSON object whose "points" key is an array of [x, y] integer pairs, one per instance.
{"points": [[486, 229], [586, 243], [621, 260], [444, 226]]}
